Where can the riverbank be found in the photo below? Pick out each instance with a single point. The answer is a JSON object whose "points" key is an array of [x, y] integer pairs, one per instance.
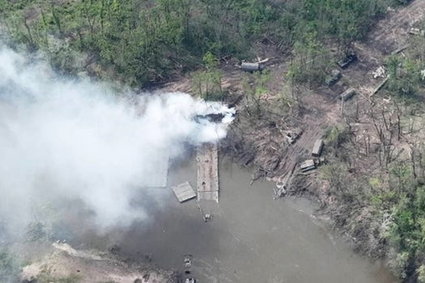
{"points": [[62, 263]]}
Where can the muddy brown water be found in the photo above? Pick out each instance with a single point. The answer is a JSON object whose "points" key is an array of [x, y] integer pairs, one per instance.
{"points": [[251, 237]]}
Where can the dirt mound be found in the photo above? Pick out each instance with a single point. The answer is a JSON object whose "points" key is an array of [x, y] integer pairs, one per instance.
{"points": [[66, 263]]}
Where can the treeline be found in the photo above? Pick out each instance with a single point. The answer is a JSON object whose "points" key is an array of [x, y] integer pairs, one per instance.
{"points": [[377, 173], [407, 71], [146, 41], [382, 206], [407, 177]]}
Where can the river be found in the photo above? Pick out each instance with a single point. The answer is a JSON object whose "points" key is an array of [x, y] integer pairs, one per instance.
{"points": [[251, 237]]}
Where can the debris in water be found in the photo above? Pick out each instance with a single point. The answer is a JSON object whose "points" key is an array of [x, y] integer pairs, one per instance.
{"points": [[184, 192], [188, 261], [207, 217], [284, 184], [280, 191]]}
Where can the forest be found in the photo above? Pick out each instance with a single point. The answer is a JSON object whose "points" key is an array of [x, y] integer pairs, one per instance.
{"points": [[143, 42]]}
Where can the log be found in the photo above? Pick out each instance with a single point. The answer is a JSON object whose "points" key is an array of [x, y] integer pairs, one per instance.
{"points": [[400, 49]]}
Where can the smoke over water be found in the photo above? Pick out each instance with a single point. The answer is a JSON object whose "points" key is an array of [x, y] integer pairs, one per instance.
{"points": [[77, 140]]}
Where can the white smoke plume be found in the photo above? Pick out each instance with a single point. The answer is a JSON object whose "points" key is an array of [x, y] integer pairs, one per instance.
{"points": [[69, 139]]}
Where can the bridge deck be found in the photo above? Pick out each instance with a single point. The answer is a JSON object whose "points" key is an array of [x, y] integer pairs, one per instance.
{"points": [[207, 172]]}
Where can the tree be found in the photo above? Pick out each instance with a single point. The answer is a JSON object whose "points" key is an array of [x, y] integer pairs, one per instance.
{"points": [[208, 82], [310, 61]]}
